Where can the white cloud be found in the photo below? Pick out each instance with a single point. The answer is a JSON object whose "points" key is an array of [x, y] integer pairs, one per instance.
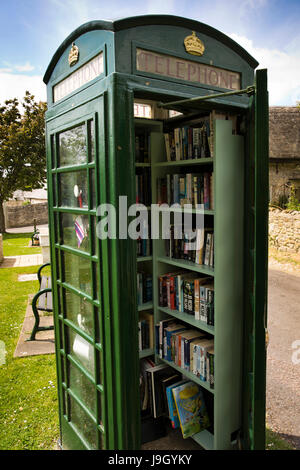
{"points": [[24, 68], [15, 85], [283, 71]]}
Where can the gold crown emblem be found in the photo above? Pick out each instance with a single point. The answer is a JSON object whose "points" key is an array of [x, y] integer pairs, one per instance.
{"points": [[193, 45], [73, 55]]}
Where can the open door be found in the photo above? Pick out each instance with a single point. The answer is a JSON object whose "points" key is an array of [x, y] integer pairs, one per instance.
{"points": [[256, 268]]}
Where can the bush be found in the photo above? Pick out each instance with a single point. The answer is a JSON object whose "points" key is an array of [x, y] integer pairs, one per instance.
{"points": [[293, 203]]}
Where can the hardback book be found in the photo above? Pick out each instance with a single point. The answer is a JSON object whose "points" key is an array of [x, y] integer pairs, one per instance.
{"points": [[187, 342], [199, 282], [149, 373], [167, 338], [187, 335], [149, 318], [210, 356], [175, 344], [162, 325], [145, 364], [167, 382], [171, 404], [191, 409], [157, 376], [199, 358], [167, 143]]}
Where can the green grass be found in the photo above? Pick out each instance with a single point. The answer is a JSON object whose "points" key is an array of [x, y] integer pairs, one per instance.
{"points": [[17, 244], [275, 442], [28, 397]]}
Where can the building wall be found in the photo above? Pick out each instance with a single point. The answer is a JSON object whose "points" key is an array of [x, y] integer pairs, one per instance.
{"points": [[284, 151], [281, 176]]}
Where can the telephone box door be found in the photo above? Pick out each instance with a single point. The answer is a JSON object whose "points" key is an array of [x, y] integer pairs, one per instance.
{"points": [[75, 165]]}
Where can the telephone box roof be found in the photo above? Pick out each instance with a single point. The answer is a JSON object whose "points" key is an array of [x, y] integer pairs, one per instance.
{"points": [[148, 20]]}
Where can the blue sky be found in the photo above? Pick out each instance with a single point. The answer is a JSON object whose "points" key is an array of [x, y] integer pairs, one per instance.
{"points": [[32, 30]]}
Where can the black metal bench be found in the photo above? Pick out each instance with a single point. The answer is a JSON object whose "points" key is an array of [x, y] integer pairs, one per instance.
{"points": [[42, 301]]}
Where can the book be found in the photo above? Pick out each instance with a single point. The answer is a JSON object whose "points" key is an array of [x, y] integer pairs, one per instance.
{"points": [[199, 358], [167, 382], [191, 409], [145, 364], [167, 338], [149, 319], [171, 404], [187, 341], [210, 356], [187, 335], [162, 325], [157, 377]]}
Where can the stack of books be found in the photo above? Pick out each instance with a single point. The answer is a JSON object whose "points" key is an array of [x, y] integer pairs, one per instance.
{"points": [[144, 288], [185, 347], [165, 392], [196, 246], [188, 293], [142, 147], [183, 143], [190, 188], [146, 330], [143, 188]]}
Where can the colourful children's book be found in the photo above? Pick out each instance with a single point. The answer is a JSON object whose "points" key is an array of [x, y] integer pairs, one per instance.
{"points": [[171, 404], [190, 408]]}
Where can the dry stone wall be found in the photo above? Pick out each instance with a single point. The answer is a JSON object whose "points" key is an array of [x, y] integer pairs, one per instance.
{"points": [[284, 230]]}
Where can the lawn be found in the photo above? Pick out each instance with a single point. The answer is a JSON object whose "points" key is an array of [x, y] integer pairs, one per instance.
{"points": [[28, 397], [16, 244]]}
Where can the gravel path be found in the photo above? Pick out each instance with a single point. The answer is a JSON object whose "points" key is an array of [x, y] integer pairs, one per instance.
{"points": [[283, 376]]}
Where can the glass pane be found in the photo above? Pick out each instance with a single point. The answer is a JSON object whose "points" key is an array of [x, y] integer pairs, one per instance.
{"points": [[54, 189], [75, 230], [82, 387], [91, 132], [73, 189], [92, 189], [79, 311], [83, 423], [72, 146], [52, 152], [82, 351], [96, 281], [94, 236], [77, 272]]}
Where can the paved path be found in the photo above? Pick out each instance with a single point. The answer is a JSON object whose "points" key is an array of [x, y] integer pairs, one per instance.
{"points": [[27, 229], [283, 376], [20, 261]]}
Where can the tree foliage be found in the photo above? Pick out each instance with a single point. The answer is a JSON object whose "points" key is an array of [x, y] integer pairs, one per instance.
{"points": [[22, 146]]}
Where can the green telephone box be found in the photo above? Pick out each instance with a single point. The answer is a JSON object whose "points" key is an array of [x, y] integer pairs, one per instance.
{"points": [[98, 152]]}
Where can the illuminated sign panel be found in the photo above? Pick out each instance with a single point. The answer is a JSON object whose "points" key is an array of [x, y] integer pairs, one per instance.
{"points": [[81, 76], [175, 67]]}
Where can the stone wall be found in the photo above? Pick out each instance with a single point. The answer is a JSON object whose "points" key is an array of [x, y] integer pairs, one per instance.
{"points": [[284, 230], [23, 215], [281, 176], [284, 132]]}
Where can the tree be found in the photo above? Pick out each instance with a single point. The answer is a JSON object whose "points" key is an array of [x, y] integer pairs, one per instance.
{"points": [[22, 148]]}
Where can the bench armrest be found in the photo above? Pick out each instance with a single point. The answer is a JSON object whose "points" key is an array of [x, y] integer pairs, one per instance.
{"points": [[40, 270]]}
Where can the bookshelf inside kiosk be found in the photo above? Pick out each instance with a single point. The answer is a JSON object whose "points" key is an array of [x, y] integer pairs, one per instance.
{"points": [[164, 334], [197, 298]]}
